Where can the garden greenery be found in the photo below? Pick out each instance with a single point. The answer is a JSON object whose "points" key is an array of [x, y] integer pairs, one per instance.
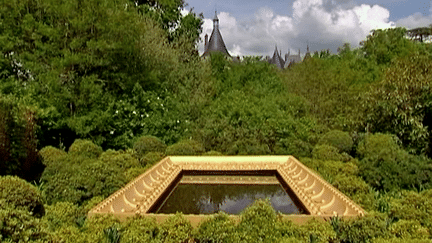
{"points": [[93, 93]]}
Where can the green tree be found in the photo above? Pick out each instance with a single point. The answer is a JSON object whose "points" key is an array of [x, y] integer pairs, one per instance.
{"points": [[382, 46], [401, 102]]}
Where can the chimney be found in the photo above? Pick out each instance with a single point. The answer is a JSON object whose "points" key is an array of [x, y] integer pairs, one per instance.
{"points": [[206, 42]]}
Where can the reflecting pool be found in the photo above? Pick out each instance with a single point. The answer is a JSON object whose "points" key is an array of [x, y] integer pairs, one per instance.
{"points": [[231, 194]]}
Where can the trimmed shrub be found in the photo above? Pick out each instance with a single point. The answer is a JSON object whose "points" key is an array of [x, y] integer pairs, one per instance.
{"points": [[378, 146], [17, 225], [51, 155], [248, 147], [176, 229], [258, 223], [146, 144], [217, 228], [151, 158], [185, 147], [413, 206], [85, 148], [122, 160], [409, 229], [328, 152], [317, 231], [95, 228], [20, 194], [61, 214], [362, 229], [338, 139], [299, 148], [386, 166], [140, 229]]}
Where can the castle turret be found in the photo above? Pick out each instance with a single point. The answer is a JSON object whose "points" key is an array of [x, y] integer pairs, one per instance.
{"points": [[216, 43]]}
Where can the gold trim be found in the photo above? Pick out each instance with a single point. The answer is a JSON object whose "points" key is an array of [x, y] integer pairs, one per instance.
{"points": [[317, 196]]}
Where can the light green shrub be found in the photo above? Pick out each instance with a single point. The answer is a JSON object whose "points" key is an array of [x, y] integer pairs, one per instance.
{"points": [[85, 148], [362, 229], [258, 224], [317, 231], [146, 144], [386, 166], [185, 147], [151, 158], [61, 214], [338, 139], [217, 228], [51, 155], [94, 229], [140, 229], [18, 225], [121, 160], [175, 229], [248, 147], [327, 152], [413, 206], [409, 229], [20, 194]]}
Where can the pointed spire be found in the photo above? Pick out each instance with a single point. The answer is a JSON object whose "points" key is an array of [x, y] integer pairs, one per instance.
{"points": [[277, 59], [215, 21], [215, 43]]}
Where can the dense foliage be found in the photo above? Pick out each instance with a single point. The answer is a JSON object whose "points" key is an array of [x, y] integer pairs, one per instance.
{"points": [[93, 93]]}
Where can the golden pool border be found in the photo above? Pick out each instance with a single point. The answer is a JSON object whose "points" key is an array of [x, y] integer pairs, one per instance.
{"points": [[318, 197]]}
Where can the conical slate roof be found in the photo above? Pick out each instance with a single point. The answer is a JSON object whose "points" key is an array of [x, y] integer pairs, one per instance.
{"points": [[277, 59], [216, 42]]}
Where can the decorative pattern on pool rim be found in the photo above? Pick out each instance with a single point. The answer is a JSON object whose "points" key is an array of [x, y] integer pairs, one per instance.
{"points": [[317, 196]]}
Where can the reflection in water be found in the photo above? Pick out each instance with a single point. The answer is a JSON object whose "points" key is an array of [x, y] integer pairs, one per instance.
{"points": [[230, 198]]}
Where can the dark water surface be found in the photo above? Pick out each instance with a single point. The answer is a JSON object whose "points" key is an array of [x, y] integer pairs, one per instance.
{"points": [[230, 198]]}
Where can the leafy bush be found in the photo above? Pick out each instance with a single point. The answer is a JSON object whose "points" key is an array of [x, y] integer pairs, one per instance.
{"points": [[175, 229], [51, 154], [258, 223], [121, 160], [146, 144], [140, 229], [19, 194], [362, 229], [19, 225], [317, 231], [185, 147], [385, 166], [295, 147], [85, 148], [413, 206], [217, 228], [248, 147], [61, 215], [378, 146], [77, 179], [338, 139], [151, 158], [409, 229], [95, 227], [328, 152]]}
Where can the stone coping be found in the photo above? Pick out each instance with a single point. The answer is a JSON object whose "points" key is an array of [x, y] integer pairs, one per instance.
{"points": [[238, 180], [318, 197]]}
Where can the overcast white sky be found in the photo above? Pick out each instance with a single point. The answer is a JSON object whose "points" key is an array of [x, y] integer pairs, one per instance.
{"points": [[254, 27]]}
